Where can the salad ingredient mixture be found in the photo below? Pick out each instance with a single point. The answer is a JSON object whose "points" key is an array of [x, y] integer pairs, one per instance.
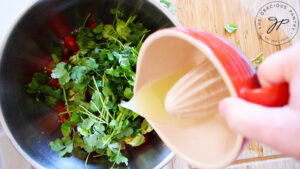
{"points": [[87, 86]]}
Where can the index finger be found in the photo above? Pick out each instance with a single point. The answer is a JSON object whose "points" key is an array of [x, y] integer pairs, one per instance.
{"points": [[279, 67]]}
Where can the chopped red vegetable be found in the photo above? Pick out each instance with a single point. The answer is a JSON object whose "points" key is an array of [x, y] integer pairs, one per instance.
{"points": [[64, 117], [60, 107], [70, 43], [49, 67], [54, 83], [93, 25], [66, 53]]}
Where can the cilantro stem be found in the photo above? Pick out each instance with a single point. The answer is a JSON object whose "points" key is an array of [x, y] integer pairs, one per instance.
{"points": [[86, 160], [101, 99], [61, 113], [86, 112], [85, 20], [257, 56], [101, 114], [109, 138], [95, 156], [142, 38], [120, 43], [96, 72], [115, 161], [103, 80], [65, 98]]}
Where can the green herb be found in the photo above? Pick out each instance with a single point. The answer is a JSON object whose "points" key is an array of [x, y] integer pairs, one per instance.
{"points": [[167, 4], [230, 28], [104, 67], [259, 60], [60, 73], [172, 9], [257, 57], [237, 44], [40, 89]]}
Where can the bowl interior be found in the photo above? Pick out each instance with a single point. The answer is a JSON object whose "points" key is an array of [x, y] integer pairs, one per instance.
{"points": [[33, 125]]}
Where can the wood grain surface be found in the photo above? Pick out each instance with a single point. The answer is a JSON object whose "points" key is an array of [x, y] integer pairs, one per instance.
{"points": [[211, 16]]}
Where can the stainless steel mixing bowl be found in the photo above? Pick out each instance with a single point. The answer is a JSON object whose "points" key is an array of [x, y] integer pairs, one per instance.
{"points": [[31, 125]]}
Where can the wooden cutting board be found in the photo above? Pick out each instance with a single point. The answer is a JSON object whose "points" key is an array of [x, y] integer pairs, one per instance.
{"points": [[211, 16]]}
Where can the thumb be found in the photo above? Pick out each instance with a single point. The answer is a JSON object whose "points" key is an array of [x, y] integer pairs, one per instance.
{"points": [[277, 127]]}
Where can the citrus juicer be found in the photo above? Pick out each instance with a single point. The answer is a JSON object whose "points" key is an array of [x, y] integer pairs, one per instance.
{"points": [[217, 70]]}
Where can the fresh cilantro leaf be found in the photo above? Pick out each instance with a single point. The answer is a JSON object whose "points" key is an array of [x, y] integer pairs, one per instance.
{"points": [[116, 54], [110, 56], [128, 93], [117, 12], [135, 141], [78, 72], [113, 72], [126, 133], [57, 145], [62, 146], [98, 127], [91, 142], [230, 28], [83, 131], [51, 91], [78, 141], [108, 31], [146, 127], [122, 29], [96, 103], [68, 143], [56, 54], [60, 72], [118, 158], [41, 77], [99, 28], [107, 91], [124, 62], [87, 124], [113, 123], [55, 58], [57, 51], [121, 159], [66, 128], [51, 101], [89, 62], [75, 118], [33, 85], [166, 2]]}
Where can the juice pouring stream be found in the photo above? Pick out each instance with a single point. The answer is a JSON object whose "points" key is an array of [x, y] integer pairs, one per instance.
{"points": [[149, 101]]}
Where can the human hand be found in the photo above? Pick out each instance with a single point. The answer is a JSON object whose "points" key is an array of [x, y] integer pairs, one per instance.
{"points": [[277, 127]]}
